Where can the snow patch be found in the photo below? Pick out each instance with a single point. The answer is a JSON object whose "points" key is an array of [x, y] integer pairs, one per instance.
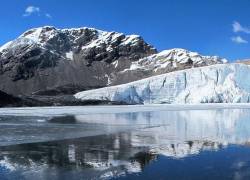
{"points": [[131, 39], [115, 63], [33, 34], [109, 79], [5, 46], [69, 55]]}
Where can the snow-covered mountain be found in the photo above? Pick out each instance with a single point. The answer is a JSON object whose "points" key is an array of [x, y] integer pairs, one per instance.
{"points": [[48, 60], [228, 83], [175, 59], [68, 42], [45, 58]]}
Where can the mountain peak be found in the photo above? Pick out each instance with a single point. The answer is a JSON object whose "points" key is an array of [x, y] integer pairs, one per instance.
{"points": [[42, 34], [85, 37], [80, 52]]}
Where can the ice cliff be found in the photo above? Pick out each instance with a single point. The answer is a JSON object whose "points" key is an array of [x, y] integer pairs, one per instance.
{"points": [[220, 83]]}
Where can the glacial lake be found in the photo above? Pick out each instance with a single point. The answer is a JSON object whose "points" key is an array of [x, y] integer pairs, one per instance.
{"points": [[125, 142]]}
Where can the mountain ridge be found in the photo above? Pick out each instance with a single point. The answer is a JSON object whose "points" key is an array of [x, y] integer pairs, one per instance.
{"points": [[66, 55], [47, 61]]}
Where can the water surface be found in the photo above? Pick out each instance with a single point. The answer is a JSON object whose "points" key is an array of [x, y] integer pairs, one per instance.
{"points": [[158, 142]]}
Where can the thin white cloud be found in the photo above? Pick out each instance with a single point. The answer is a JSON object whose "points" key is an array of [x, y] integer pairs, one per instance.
{"points": [[237, 27], [239, 40], [31, 10], [48, 15], [34, 10]]}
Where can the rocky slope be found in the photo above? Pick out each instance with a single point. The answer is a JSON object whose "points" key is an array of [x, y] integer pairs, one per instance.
{"points": [[221, 83], [244, 61], [164, 62], [7, 100], [50, 61], [44, 59]]}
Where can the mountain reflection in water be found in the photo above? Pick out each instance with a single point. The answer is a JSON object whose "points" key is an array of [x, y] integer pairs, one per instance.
{"points": [[139, 145]]}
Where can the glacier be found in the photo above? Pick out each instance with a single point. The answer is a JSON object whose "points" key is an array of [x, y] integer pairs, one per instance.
{"points": [[220, 83]]}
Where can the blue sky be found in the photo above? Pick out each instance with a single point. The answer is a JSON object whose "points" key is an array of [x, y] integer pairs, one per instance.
{"points": [[210, 27]]}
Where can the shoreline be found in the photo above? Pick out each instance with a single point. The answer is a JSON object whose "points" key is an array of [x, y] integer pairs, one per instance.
{"points": [[107, 109]]}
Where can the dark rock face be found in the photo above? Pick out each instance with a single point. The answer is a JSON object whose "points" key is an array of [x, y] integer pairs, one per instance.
{"points": [[8, 100], [48, 59]]}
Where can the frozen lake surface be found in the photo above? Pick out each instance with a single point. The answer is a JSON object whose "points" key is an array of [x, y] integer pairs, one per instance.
{"points": [[126, 142]]}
